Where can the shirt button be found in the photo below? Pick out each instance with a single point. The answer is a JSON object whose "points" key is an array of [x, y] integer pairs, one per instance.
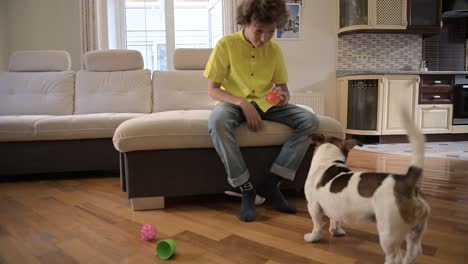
{"points": [[251, 74], [253, 57]]}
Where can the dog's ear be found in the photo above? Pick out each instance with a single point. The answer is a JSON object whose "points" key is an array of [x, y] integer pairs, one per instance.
{"points": [[351, 143], [317, 138]]}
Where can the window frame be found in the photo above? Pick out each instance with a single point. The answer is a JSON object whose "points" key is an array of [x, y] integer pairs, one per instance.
{"points": [[118, 29]]}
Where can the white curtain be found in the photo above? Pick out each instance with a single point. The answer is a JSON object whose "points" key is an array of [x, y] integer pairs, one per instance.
{"points": [[93, 25], [230, 15]]}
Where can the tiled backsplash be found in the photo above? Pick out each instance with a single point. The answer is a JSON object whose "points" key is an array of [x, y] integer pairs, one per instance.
{"points": [[379, 52]]}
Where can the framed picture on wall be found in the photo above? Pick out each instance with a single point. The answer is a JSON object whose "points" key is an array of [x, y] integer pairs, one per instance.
{"points": [[292, 27], [300, 2]]}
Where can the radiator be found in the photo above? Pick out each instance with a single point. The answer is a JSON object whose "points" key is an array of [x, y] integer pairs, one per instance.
{"points": [[316, 101]]}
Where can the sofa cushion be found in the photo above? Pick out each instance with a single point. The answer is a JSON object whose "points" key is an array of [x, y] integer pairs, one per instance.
{"points": [[180, 90], [189, 129], [80, 126], [39, 61], [113, 92], [113, 60], [40, 93], [19, 127]]}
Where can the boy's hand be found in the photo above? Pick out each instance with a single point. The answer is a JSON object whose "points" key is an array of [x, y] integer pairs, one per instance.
{"points": [[283, 94], [254, 121]]}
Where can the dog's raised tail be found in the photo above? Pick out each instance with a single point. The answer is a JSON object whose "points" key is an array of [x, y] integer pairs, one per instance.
{"points": [[417, 139]]}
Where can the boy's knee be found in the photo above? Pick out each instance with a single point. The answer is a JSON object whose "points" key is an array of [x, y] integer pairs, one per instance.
{"points": [[215, 122], [219, 120], [314, 122], [310, 122]]}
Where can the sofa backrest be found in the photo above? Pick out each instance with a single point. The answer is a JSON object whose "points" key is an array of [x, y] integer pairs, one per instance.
{"points": [[39, 61], [184, 88], [113, 81], [191, 59], [39, 82]]}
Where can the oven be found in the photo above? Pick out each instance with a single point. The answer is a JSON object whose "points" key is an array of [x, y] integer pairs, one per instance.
{"points": [[460, 100]]}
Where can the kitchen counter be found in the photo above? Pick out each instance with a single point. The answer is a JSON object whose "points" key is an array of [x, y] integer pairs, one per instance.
{"points": [[342, 73]]}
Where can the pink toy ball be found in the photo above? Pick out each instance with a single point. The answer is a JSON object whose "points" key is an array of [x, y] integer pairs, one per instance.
{"points": [[148, 232]]}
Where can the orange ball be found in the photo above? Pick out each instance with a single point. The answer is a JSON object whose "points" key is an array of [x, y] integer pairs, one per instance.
{"points": [[272, 98]]}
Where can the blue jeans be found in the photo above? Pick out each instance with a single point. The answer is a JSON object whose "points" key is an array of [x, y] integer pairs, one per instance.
{"points": [[224, 120]]}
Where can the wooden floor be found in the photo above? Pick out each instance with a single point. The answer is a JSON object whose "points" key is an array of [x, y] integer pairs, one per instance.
{"points": [[89, 221]]}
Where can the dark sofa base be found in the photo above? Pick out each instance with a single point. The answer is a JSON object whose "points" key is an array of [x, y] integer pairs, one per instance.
{"points": [[181, 172], [32, 157]]}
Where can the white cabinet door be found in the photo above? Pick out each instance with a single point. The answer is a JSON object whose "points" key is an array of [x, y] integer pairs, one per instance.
{"points": [[399, 91], [342, 100], [435, 119], [388, 14]]}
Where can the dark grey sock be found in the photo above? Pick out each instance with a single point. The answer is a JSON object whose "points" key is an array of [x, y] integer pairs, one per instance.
{"points": [[270, 190], [247, 211]]}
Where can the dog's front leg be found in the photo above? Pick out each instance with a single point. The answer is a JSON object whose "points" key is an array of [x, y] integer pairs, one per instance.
{"points": [[335, 228], [316, 214]]}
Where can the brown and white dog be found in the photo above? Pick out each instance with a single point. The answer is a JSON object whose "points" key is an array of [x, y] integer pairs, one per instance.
{"points": [[393, 201]]}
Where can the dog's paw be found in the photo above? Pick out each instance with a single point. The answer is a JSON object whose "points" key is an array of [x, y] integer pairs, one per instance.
{"points": [[312, 237], [337, 232]]}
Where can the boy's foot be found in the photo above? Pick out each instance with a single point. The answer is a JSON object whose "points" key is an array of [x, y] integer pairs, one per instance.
{"points": [[231, 191], [247, 211], [270, 190]]}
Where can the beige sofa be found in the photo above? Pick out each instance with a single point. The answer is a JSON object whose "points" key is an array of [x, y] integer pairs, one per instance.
{"points": [[113, 112], [55, 120], [169, 152]]}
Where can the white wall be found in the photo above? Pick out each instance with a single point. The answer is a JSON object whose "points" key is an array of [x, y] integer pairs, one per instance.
{"points": [[45, 24], [311, 61], [3, 36]]}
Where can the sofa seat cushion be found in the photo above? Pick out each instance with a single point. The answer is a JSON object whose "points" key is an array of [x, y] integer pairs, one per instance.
{"points": [[19, 127], [81, 126], [189, 129], [330, 127]]}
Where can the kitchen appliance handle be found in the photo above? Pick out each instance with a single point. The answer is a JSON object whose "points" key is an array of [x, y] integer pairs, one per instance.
{"points": [[465, 86], [436, 96], [437, 82]]}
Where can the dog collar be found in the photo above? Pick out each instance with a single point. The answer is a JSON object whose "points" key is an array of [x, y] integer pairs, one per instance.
{"points": [[339, 161]]}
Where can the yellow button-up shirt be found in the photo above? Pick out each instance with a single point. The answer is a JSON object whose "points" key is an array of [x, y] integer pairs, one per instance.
{"points": [[245, 71]]}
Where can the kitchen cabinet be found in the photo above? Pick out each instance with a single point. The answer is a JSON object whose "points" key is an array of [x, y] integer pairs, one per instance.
{"points": [[372, 15], [424, 15], [436, 89], [427, 98], [434, 119], [434, 112], [394, 92], [354, 13], [399, 91]]}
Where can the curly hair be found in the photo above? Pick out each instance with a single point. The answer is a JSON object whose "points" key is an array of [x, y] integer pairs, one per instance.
{"points": [[262, 12]]}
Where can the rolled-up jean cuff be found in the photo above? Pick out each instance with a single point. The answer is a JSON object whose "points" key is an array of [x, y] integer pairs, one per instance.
{"points": [[238, 181], [283, 172]]}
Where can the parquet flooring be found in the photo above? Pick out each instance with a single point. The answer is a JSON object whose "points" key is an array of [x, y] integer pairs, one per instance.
{"points": [[89, 221]]}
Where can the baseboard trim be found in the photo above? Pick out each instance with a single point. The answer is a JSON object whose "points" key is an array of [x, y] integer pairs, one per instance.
{"points": [[389, 139]]}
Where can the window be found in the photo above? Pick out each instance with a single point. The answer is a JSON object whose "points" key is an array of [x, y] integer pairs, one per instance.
{"points": [[157, 27]]}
